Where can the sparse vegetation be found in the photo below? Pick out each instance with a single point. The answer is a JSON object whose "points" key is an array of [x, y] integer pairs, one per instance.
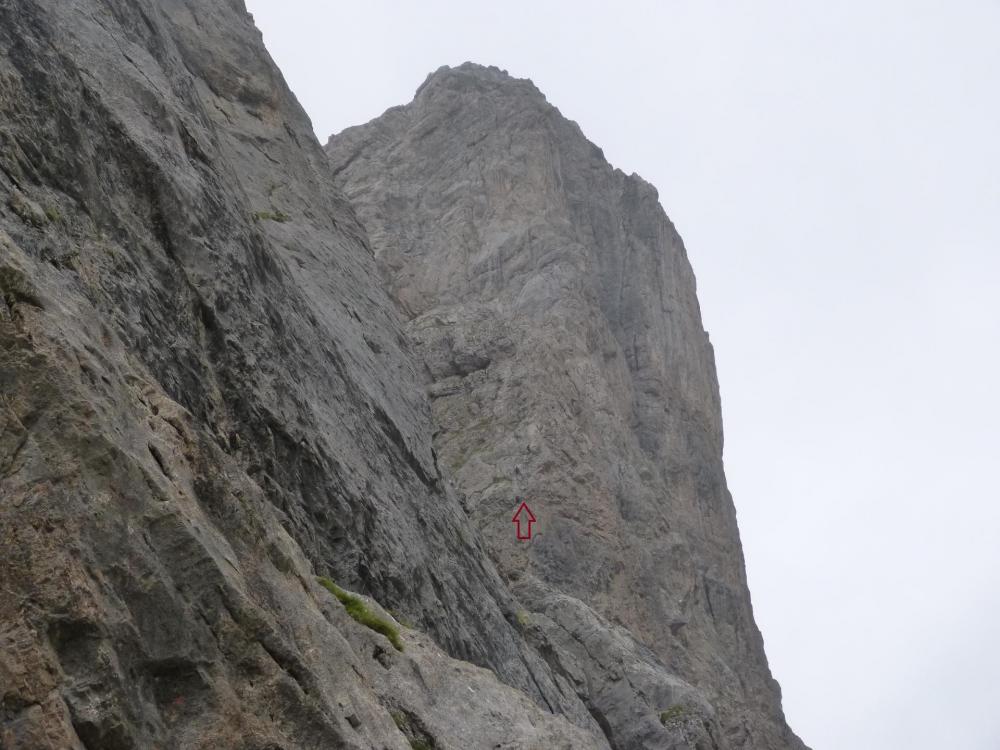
{"points": [[66, 260], [356, 608], [28, 211], [404, 725], [15, 288], [399, 618], [672, 714], [53, 214], [279, 216], [523, 618]]}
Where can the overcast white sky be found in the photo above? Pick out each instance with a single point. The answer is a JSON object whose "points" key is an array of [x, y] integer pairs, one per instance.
{"points": [[834, 168]]}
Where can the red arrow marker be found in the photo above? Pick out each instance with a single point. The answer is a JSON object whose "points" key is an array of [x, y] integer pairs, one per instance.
{"points": [[523, 515]]}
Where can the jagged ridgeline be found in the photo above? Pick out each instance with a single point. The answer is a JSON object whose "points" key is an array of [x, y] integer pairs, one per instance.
{"points": [[264, 411]]}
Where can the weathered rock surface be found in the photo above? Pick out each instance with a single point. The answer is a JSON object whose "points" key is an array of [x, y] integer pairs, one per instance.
{"points": [[205, 400], [208, 397], [554, 306]]}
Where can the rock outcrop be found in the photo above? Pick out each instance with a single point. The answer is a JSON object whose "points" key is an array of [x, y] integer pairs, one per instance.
{"points": [[207, 400], [554, 306], [211, 395]]}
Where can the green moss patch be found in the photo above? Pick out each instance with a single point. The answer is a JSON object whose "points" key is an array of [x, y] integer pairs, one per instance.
{"points": [[672, 715], [356, 608]]}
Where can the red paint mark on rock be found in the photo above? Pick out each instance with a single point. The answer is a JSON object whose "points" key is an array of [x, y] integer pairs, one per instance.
{"points": [[526, 517]]}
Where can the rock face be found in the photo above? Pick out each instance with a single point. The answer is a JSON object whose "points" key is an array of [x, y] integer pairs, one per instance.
{"points": [[554, 306], [206, 400], [210, 395]]}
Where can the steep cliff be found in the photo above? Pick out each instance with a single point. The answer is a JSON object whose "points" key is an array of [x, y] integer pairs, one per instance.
{"points": [[207, 400], [212, 394], [554, 306]]}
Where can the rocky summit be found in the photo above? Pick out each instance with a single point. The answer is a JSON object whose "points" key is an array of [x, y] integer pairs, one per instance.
{"points": [[266, 412], [553, 304]]}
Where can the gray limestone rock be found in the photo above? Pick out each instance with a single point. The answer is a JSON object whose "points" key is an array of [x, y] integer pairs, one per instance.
{"points": [[211, 394], [554, 306], [206, 399]]}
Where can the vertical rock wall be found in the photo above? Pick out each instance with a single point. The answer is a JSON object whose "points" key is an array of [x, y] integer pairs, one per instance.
{"points": [[206, 400], [553, 303]]}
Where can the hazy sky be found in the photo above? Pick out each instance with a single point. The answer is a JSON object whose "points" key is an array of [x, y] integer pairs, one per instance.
{"points": [[834, 169]]}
